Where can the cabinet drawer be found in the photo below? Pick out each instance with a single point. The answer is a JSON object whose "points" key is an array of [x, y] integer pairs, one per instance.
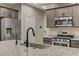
{"points": [[47, 40], [75, 43]]}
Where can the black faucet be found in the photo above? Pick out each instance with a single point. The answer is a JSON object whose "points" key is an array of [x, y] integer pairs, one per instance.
{"points": [[27, 42]]}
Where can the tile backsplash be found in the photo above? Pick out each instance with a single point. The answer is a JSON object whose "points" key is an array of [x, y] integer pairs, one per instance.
{"points": [[50, 32]]}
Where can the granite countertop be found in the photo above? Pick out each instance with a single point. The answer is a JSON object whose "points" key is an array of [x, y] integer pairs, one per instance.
{"points": [[54, 51], [75, 38], [9, 48], [53, 37]]}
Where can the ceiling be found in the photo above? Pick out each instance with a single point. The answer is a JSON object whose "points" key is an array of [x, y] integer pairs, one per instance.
{"points": [[45, 6], [53, 5]]}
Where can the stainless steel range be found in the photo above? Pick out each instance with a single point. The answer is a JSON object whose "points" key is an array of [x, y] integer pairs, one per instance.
{"points": [[63, 39]]}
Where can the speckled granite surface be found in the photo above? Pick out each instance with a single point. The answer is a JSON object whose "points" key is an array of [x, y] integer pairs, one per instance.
{"points": [[54, 51], [8, 48]]}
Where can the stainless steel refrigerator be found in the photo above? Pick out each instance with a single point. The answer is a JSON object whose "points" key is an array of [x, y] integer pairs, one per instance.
{"points": [[8, 28]]}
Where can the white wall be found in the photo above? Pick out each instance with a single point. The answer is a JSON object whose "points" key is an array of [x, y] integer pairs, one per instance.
{"points": [[39, 16]]}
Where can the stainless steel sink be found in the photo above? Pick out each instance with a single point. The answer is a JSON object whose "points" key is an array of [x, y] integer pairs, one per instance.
{"points": [[40, 46], [35, 45]]}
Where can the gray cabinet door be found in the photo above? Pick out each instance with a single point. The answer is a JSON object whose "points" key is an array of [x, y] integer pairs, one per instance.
{"points": [[50, 18], [13, 14], [67, 11], [76, 15], [4, 12], [59, 12], [47, 40], [75, 43]]}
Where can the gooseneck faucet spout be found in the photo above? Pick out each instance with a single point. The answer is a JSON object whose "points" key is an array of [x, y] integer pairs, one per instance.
{"points": [[27, 41]]}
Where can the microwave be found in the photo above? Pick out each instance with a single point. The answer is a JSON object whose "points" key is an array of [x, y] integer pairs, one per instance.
{"points": [[63, 21]]}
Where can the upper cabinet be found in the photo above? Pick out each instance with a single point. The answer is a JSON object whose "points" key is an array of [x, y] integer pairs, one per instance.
{"points": [[72, 11], [76, 15], [13, 14], [67, 11], [59, 12], [51, 14], [4, 12], [50, 18], [9, 13]]}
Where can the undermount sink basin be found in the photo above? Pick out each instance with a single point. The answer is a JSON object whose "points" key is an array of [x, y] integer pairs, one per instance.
{"points": [[40, 46], [35, 45]]}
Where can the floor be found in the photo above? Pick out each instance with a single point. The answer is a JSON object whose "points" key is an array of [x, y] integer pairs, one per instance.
{"points": [[8, 48]]}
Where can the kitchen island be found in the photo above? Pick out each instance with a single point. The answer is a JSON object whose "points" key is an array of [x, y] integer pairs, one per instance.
{"points": [[8, 48], [54, 51]]}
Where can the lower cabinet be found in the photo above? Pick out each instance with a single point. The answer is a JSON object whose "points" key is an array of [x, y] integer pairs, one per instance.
{"points": [[75, 43], [47, 41]]}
